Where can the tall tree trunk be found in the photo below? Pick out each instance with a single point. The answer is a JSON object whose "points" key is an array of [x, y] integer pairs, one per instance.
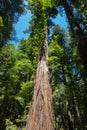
{"points": [[77, 113], [40, 116], [80, 37], [69, 117]]}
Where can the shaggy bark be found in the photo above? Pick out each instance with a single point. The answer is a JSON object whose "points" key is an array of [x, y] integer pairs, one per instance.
{"points": [[40, 116]]}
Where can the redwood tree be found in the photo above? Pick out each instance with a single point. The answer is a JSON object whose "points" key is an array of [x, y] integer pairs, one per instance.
{"points": [[40, 115]]}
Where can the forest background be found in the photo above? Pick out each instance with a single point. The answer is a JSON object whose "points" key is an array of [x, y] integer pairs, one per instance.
{"points": [[67, 62]]}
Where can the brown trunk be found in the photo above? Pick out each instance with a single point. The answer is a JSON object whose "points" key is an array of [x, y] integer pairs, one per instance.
{"points": [[78, 123], [40, 116], [69, 116], [78, 33]]}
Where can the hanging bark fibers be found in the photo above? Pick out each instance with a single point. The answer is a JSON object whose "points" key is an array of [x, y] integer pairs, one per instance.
{"points": [[41, 113]]}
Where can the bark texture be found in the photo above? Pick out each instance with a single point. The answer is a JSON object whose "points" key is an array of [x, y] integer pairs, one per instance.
{"points": [[41, 112]]}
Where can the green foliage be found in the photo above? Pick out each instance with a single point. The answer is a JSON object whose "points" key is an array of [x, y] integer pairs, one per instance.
{"points": [[54, 46], [67, 77], [44, 4], [16, 80], [10, 125], [18, 66], [30, 47], [1, 22], [7, 60], [57, 57], [26, 91], [59, 99], [55, 51], [23, 67]]}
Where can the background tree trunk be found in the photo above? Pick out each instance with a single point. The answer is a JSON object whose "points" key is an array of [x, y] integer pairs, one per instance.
{"points": [[79, 35], [69, 116], [41, 112]]}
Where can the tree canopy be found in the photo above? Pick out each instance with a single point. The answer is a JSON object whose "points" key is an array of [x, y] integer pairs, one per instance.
{"points": [[24, 69], [9, 13]]}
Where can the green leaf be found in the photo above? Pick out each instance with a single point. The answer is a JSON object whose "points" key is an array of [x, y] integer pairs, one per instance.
{"points": [[1, 21]]}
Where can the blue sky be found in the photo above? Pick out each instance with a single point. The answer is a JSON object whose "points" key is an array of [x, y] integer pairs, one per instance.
{"points": [[23, 23]]}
